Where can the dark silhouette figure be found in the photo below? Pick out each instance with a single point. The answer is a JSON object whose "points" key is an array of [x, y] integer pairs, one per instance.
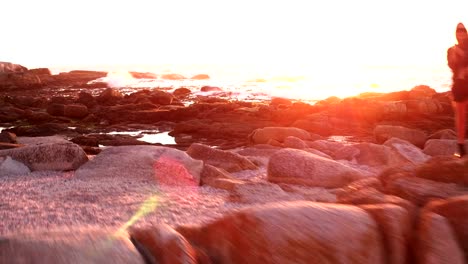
{"points": [[457, 58]]}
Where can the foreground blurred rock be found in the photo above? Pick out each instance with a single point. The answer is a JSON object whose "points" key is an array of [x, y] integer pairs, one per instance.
{"points": [[71, 246]]}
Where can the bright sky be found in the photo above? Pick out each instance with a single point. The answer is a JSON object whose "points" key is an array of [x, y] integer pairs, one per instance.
{"points": [[50, 33]]}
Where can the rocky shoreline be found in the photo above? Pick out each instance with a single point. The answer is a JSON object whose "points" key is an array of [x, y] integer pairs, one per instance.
{"points": [[246, 182]]}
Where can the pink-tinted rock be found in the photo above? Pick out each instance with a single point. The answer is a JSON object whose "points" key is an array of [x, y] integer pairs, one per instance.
{"points": [[370, 154], [181, 92], [280, 101], [444, 134], [166, 166], [440, 147], [20, 80], [8, 67], [200, 77], [294, 142], [295, 232], [416, 137], [395, 224], [93, 246], [109, 96], [172, 76], [301, 167], [261, 193], [437, 241], [210, 89], [163, 244], [455, 210], [161, 97], [407, 151], [425, 106], [143, 75], [420, 191], [316, 123], [75, 111], [56, 109], [226, 160], [445, 169], [48, 156], [263, 135], [421, 91], [326, 146]]}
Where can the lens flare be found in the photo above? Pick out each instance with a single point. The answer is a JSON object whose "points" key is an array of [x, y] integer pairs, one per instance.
{"points": [[146, 208], [171, 172]]}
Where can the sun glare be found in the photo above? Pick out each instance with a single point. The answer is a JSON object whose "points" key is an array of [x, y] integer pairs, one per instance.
{"points": [[326, 41]]}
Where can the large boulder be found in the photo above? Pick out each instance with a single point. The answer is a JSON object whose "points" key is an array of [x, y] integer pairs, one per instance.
{"points": [[407, 151], [161, 97], [20, 80], [416, 137], [261, 193], [294, 142], [370, 154], [109, 96], [48, 156], [445, 169], [160, 164], [173, 76], [443, 134], [326, 146], [441, 147], [75, 111], [294, 232], [301, 167], [226, 160], [40, 130], [315, 123], [42, 140], [200, 77], [420, 191], [421, 92], [7, 137], [360, 111], [425, 106], [76, 78], [264, 135], [8, 67]]}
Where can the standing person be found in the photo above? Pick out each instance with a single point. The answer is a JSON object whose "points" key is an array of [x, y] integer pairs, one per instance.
{"points": [[457, 58]]}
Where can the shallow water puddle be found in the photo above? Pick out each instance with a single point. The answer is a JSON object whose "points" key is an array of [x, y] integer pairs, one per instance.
{"points": [[2, 128], [148, 136], [342, 139], [162, 138]]}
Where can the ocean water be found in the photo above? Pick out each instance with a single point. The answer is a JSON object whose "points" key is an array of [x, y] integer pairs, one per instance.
{"points": [[298, 82]]}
